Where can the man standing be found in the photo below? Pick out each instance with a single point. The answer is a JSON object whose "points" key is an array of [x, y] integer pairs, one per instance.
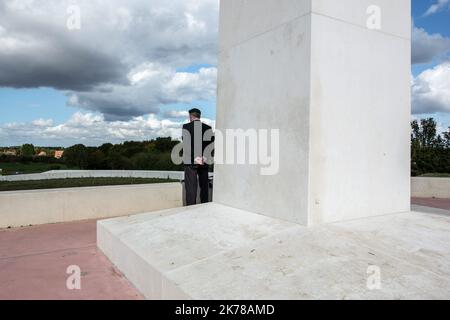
{"points": [[196, 168]]}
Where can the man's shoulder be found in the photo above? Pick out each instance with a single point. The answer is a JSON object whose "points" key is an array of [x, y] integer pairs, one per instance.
{"points": [[190, 125]]}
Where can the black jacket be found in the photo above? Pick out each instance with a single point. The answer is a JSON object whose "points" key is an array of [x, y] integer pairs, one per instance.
{"points": [[194, 135]]}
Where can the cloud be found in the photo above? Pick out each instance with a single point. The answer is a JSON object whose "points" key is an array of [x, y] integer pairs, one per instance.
{"points": [[176, 114], [38, 51], [428, 47], [123, 60], [152, 86], [42, 122], [431, 90], [91, 129], [121, 66], [438, 6]]}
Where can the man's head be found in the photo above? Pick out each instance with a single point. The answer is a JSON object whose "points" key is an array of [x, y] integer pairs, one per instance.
{"points": [[195, 114]]}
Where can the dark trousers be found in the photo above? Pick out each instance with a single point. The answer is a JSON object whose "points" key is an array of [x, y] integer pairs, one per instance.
{"points": [[193, 177]]}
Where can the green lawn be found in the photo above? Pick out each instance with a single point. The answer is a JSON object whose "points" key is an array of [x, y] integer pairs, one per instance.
{"points": [[27, 168], [436, 175], [75, 183]]}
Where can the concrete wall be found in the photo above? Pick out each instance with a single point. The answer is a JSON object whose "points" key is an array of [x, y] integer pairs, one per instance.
{"points": [[24, 208], [65, 174], [431, 187]]}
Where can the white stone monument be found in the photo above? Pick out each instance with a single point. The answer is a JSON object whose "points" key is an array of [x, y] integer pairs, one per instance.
{"points": [[334, 77]]}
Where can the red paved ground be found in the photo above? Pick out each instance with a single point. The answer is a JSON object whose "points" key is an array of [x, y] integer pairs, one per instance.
{"points": [[34, 261], [434, 203]]}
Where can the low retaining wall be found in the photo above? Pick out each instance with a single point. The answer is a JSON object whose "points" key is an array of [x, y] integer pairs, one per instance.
{"points": [[24, 208], [431, 188], [66, 174]]}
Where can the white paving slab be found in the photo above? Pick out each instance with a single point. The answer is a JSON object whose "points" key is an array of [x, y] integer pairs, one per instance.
{"points": [[146, 247], [217, 252]]}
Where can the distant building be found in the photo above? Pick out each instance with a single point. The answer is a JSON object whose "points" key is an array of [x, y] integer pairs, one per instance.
{"points": [[10, 153], [42, 154], [59, 154]]}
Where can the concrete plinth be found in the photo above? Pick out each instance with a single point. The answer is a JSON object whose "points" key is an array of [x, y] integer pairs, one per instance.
{"points": [[216, 252]]}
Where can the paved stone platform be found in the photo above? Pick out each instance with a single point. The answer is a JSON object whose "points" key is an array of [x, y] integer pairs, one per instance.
{"points": [[217, 252], [34, 261], [432, 203]]}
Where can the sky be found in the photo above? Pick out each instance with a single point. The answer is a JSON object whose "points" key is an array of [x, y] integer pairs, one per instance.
{"points": [[96, 71]]}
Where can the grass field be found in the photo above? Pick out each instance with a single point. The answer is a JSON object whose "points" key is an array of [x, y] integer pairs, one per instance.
{"points": [[76, 183], [436, 175], [27, 168]]}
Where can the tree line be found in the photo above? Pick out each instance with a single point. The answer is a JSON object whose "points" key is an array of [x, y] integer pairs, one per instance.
{"points": [[430, 153], [430, 150], [130, 155]]}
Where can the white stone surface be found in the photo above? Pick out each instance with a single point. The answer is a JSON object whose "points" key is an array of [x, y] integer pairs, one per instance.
{"points": [[395, 15], [242, 20], [146, 247], [431, 188], [360, 117], [338, 92], [263, 83], [217, 252], [34, 207]]}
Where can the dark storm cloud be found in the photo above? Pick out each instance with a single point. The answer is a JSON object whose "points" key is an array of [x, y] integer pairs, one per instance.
{"points": [[122, 62], [39, 53], [66, 68], [117, 109]]}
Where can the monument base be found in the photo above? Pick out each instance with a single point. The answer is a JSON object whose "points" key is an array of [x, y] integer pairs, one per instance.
{"points": [[217, 252]]}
